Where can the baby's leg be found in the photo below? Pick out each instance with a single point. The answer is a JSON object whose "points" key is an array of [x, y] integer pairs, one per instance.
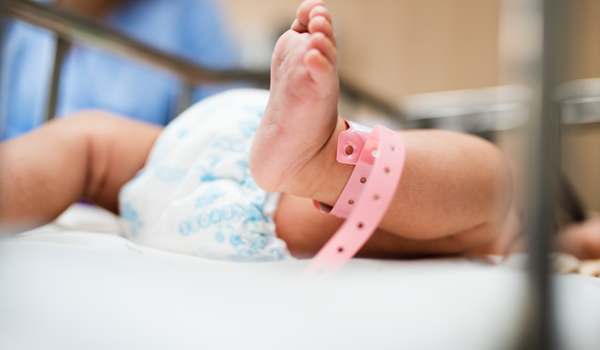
{"points": [[89, 155], [455, 190], [306, 230]]}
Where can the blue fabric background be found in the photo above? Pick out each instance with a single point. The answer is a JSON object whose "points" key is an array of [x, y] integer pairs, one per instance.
{"points": [[91, 78]]}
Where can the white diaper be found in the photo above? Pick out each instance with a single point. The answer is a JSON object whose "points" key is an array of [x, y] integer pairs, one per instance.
{"points": [[195, 195]]}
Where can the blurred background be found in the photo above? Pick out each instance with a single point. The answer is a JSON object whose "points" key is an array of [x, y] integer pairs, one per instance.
{"points": [[458, 65]]}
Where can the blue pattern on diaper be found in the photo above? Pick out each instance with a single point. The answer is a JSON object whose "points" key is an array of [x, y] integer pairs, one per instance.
{"points": [[196, 191], [182, 133], [248, 128], [169, 175], [276, 254], [209, 197], [226, 214], [207, 176], [131, 217], [228, 144], [255, 214], [243, 164], [235, 240]]}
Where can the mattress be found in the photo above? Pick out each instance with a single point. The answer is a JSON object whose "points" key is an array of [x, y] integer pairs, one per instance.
{"points": [[77, 284]]}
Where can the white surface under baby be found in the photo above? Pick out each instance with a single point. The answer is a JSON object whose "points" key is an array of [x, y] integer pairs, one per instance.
{"points": [[195, 194]]}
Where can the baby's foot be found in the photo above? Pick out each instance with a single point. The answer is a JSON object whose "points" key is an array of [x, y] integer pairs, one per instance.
{"points": [[302, 111]]}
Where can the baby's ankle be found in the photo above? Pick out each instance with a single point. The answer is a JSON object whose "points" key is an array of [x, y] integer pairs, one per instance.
{"points": [[323, 178]]}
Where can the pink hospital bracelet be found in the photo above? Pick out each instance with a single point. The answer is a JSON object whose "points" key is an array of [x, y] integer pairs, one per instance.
{"points": [[350, 145], [367, 196]]}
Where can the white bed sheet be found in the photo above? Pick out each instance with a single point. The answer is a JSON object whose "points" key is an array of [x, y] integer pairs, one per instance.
{"points": [[76, 284]]}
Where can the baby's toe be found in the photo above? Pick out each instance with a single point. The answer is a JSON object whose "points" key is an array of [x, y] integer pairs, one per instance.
{"points": [[296, 26], [319, 10], [322, 43], [319, 68], [302, 16], [320, 24]]}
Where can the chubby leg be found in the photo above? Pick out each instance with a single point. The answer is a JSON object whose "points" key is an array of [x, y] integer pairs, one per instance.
{"points": [[89, 155], [305, 230], [455, 190]]}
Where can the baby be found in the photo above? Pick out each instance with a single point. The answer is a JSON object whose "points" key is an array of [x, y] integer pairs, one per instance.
{"points": [[209, 183]]}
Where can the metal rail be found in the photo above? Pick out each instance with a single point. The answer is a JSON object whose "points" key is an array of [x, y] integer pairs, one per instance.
{"points": [[580, 101], [76, 29], [61, 47], [544, 160]]}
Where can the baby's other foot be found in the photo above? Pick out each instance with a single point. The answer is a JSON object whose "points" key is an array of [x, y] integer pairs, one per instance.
{"points": [[301, 114], [582, 240]]}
